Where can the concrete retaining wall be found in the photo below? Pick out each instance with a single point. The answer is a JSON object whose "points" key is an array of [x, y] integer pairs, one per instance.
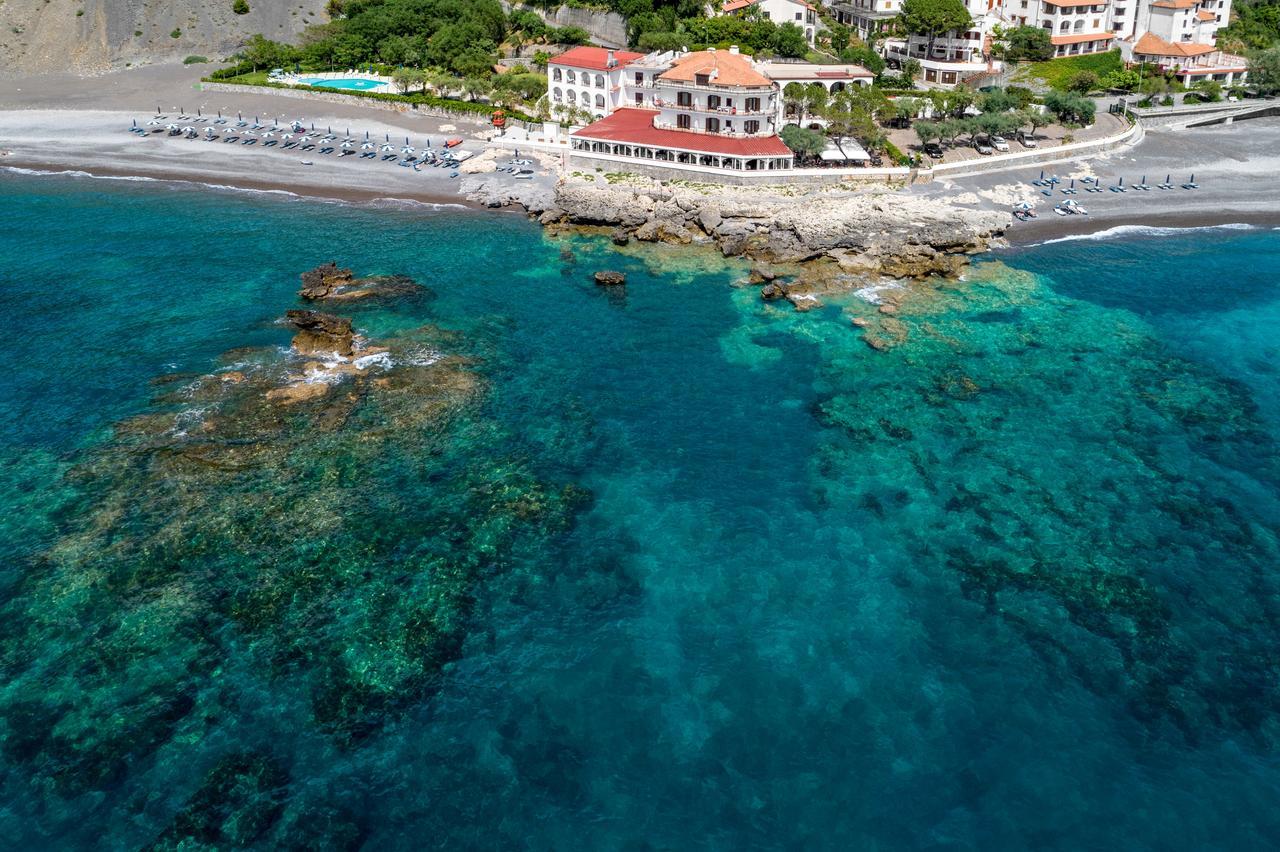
{"points": [[608, 29]]}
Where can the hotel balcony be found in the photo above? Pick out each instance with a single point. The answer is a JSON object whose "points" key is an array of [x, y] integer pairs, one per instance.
{"points": [[662, 103], [764, 131]]}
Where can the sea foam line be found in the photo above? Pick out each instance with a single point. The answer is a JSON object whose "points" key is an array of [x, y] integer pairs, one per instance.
{"points": [[1146, 231]]}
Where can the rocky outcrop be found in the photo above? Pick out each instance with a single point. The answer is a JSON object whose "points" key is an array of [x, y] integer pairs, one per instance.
{"points": [[609, 278], [885, 233], [321, 334], [330, 283]]}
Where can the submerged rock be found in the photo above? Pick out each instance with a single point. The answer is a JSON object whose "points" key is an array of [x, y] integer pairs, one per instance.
{"points": [[610, 278], [328, 282], [773, 291]]}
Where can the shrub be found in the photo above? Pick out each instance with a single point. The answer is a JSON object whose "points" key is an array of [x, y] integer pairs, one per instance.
{"points": [[79, 13], [1124, 80], [240, 7], [193, 60], [1167, 100], [1082, 82], [1028, 43], [177, 33], [896, 155]]}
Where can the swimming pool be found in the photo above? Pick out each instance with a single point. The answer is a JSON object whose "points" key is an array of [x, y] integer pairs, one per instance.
{"points": [[358, 83]]}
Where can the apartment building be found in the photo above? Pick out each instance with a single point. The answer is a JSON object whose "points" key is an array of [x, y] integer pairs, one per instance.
{"points": [[798, 12]]}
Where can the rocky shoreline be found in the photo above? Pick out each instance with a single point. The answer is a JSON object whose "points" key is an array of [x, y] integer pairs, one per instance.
{"points": [[828, 235]]}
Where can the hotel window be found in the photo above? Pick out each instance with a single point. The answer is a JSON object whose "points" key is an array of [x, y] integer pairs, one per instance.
{"points": [[569, 77], [713, 101], [753, 104], [799, 17], [639, 98], [751, 126], [639, 79], [556, 75], [600, 81], [713, 125], [684, 99], [682, 121]]}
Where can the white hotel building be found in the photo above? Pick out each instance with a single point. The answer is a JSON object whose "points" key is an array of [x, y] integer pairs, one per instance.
{"points": [[1168, 33], [711, 108]]}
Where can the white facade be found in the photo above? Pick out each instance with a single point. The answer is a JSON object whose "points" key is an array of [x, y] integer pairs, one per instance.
{"points": [[797, 12], [1074, 28], [588, 78]]}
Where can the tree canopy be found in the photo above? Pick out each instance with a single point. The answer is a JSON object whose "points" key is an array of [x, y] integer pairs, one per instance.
{"points": [[935, 17]]}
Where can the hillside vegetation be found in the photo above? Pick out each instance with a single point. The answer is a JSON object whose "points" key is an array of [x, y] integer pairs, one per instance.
{"points": [[96, 35]]}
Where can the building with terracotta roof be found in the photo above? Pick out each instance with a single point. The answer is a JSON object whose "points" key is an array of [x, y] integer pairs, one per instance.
{"points": [[636, 135], [1180, 36]]}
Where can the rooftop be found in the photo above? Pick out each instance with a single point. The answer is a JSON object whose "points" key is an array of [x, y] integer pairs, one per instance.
{"points": [[1176, 4], [594, 58], [724, 67], [1080, 38], [1152, 45], [635, 127], [735, 5], [811, 71]]}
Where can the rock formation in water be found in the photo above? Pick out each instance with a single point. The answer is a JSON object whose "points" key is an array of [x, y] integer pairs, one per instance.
{"points": [[610, 278], [321, 334], [871, 232], [328, 282]]}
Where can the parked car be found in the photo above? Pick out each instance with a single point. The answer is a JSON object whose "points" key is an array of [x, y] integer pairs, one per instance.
{"points": [[983, 148], [933, 149], [1028, 141], [999, 143]]}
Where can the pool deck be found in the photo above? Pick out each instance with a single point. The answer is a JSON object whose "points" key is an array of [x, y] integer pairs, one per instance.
{"points": [[339, 81]]}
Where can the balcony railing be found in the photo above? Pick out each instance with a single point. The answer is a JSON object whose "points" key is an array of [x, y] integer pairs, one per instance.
{"points": [[764, 131], [662, 103], [708, 87]]}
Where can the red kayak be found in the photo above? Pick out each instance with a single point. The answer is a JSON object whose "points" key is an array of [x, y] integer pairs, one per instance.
{"points": [[453, 143]]}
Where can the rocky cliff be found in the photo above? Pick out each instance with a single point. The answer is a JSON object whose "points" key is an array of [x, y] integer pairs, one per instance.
{"points": [[872, 232], [85, 36]]}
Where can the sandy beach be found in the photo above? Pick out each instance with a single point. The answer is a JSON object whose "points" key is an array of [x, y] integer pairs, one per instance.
{"points": [[1234, 165], [65, 123]]}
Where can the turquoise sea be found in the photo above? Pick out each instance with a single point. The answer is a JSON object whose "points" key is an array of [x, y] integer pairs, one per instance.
{"points": [[669, 568]]}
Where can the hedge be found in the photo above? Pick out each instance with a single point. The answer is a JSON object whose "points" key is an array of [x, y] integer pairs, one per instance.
{"points": [[417, 98]]}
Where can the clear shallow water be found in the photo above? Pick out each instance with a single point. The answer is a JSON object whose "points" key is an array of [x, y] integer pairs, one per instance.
{"points": [[1011, 584]]}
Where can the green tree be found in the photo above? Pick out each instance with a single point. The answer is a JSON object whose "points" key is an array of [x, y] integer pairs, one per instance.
{"points": [[1124, 80], [1083, 82], [934, 18], [1264, 70], [806, 143], [789, 41], [403, 79], [240, 7], [926, 131], [911, 70], [1033, 118], [1032, 43]]}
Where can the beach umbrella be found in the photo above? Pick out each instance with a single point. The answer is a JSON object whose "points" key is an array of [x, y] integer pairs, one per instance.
{"points": [[388, 147], [172, 127], [153, 122], [249, 133], [209, 131], [407, 149], [347, 145], [388, 137], [267, 134], [367, 146], [135, 122], [287, 136], [305, 140]]}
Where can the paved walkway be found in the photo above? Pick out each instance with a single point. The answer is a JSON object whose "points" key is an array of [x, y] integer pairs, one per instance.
{"points": [[1106, 124]]}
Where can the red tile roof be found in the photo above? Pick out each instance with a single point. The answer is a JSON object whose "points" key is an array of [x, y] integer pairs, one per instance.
{"points": [[1206, 16], [1176, 4], [594, 58], [722, 66], [633, 126], [1152, 45], [1081, 37]]}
